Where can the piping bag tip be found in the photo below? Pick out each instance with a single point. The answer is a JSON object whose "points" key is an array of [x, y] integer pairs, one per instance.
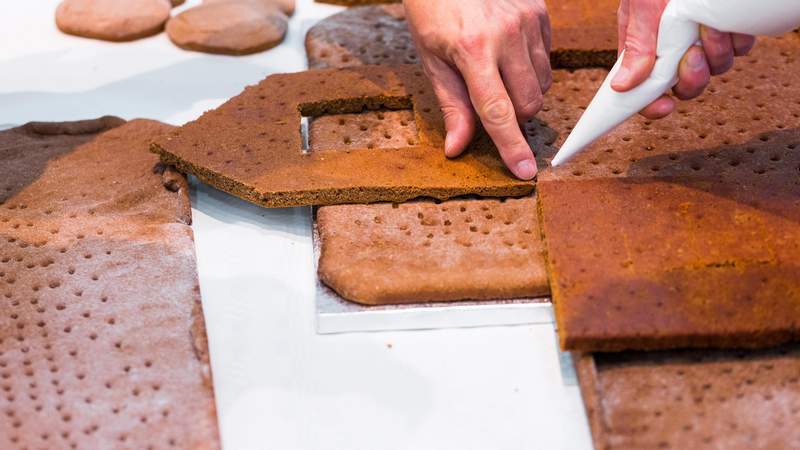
{"points": [[567, 151]]}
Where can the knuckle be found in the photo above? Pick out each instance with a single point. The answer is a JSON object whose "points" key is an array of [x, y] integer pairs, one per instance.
{"points": [[450, 112], [531, 15], [497, 111], [721, 66], [510, 26], [471, 43]]}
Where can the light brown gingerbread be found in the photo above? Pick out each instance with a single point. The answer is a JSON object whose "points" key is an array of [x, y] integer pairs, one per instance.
{"points": [[112, 20]]}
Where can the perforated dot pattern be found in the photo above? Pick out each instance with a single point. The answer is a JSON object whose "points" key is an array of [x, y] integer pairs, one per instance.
{"points": [[744, 124], [681, 232], [465, 249], [101, 337], [368, 130], [699, 400]]}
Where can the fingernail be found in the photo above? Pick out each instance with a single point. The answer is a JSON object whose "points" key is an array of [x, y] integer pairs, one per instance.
{"points": [[448, 145], [526, 169], [696, 60], [622, 77]]}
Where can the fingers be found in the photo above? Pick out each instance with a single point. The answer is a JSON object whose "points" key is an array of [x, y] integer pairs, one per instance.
{"points": [[622, 24], [459, 117], [537, 40], [694, 74], [719, 49], [522, 84], [742, 43], [641, 33], [521, 76], [496, 111], [659, 109]]}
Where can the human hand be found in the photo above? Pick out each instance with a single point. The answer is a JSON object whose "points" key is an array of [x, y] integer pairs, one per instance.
{"points": [[638, 22], [488, 59]]}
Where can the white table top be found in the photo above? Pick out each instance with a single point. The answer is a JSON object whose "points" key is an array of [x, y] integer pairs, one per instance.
{"points": [[278, 384]]}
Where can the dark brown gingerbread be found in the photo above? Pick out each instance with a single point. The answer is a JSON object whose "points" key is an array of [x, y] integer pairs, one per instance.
{"points": [[584, 34], [693, 399], [683, 232], [251, 146], [102, 343]]}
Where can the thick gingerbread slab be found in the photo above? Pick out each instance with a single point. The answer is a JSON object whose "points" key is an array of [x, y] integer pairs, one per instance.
{"points": [[423, 251], [682, 232], [693, 399], [102, 342], [584, 34], [251, 146]]}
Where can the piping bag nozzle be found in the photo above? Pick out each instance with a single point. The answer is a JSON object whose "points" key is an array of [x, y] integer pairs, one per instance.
{"points": [[679, 29]]}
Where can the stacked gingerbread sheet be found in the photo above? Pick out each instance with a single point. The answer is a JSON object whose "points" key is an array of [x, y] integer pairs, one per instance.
{"points": [[103, 343]]}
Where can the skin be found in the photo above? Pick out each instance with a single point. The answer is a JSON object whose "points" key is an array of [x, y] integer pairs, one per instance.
{"points": [[489, 60], [638, 29]]}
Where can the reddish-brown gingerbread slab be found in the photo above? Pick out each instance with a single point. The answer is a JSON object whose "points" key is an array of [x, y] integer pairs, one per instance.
{"points": [[683, 232], [102, 342], [584, 34], [693, 399], [251, 146]]}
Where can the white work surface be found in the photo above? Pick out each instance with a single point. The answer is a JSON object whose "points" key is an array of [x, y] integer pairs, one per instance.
{"points": [[279, 385]]}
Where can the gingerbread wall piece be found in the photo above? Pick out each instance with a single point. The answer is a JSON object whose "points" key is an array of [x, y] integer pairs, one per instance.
{"points": [[102, 343], [464, 249], [252, 147], [682, 232], [693, 399]]}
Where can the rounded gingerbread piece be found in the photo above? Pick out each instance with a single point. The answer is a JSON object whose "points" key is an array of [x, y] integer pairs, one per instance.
{"points": [[112, 20], [228, 27]]}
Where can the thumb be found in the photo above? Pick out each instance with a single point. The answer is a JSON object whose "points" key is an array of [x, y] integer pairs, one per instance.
{"points": [[641, 36]]}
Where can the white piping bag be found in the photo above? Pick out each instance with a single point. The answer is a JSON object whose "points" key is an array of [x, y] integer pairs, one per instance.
{"points": [[679, 30]]}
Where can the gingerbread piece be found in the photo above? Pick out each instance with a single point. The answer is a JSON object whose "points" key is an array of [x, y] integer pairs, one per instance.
{"points": [[112, 20], [681, 232], [228, 27], [422, 251], [693, 399], [103, 342], [251, 146]]}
